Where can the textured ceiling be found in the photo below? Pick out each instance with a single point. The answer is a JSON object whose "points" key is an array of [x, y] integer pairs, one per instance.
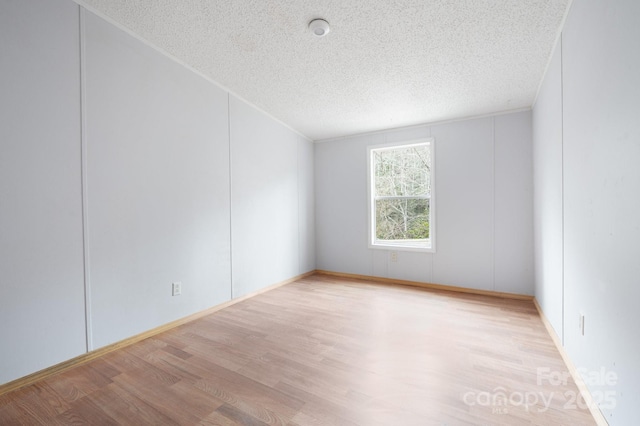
{"points": [[385, 63]]}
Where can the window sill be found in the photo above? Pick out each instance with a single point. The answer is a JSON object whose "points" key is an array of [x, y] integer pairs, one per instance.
{"points": [[419, 246]]}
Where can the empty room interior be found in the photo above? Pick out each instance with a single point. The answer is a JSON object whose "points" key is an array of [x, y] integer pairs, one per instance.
{"points": [[319, 213]]}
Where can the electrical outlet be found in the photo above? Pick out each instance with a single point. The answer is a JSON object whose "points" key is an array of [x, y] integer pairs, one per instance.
{"points": [[176, 289], [393, 256]]}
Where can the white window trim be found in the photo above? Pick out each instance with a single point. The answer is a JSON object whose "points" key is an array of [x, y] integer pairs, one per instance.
{"points": [[410, 244]]}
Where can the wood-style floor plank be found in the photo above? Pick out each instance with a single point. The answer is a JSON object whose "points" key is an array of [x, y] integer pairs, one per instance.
{"points": [[323, 351]]}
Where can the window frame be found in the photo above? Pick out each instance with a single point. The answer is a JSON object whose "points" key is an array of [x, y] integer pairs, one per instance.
{"points": [[407, 245]]}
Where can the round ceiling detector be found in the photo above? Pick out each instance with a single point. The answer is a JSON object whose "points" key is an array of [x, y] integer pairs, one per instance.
{"points": [[319, 27]]}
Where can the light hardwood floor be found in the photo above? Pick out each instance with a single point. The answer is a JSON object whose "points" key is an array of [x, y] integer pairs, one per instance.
{"points": [[324, 351]]}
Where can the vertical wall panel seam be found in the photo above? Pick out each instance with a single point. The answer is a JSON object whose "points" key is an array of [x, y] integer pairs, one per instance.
{"points": [[316, 263], [493, 204], [562, 339], [83, 177], [230, 195], [434, 189], [299, 233]]}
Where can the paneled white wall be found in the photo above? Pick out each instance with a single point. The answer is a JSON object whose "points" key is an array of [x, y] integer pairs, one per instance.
{"points": [[600, 145], [264, 199], [306, 207], [547, 161], [484, 206], [513, 204], [465, 200], [341, 205], [41, 261], [161, 193], [158, 186]]}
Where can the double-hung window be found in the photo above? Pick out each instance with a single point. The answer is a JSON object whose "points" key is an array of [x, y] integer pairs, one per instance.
{"points": [[401, 196]]}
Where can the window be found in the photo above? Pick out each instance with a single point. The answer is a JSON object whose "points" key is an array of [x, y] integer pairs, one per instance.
{"points": [[401, 202]]}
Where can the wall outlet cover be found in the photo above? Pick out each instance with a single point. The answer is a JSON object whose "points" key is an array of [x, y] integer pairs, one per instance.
{"points": [[176, 289]]}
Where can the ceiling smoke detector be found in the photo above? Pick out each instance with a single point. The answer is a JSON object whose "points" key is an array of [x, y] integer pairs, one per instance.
{"points": [[319, 27]]}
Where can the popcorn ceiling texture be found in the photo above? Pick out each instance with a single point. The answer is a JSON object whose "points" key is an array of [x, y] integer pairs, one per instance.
{"points": [[385, 63]]}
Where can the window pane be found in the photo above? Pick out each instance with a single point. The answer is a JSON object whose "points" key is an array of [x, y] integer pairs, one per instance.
{"points": [[402, 219], [402, 171]]}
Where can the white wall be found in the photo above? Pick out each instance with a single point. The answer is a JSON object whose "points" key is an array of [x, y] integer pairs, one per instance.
{"points": [[306, 207], [601, 151], [41, 260], [547, 161], [166, 185], [601, 86], [483, 211], [158, 186], [513, 204], [265, 202]]}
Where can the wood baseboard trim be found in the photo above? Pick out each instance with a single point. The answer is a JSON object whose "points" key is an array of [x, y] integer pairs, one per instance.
{"points": [[89, 356], [582, 387], [429, 286]]}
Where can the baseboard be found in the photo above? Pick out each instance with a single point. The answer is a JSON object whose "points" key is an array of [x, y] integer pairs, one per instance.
{"points": [[582, 387], [89, 356], [431, 286]]}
